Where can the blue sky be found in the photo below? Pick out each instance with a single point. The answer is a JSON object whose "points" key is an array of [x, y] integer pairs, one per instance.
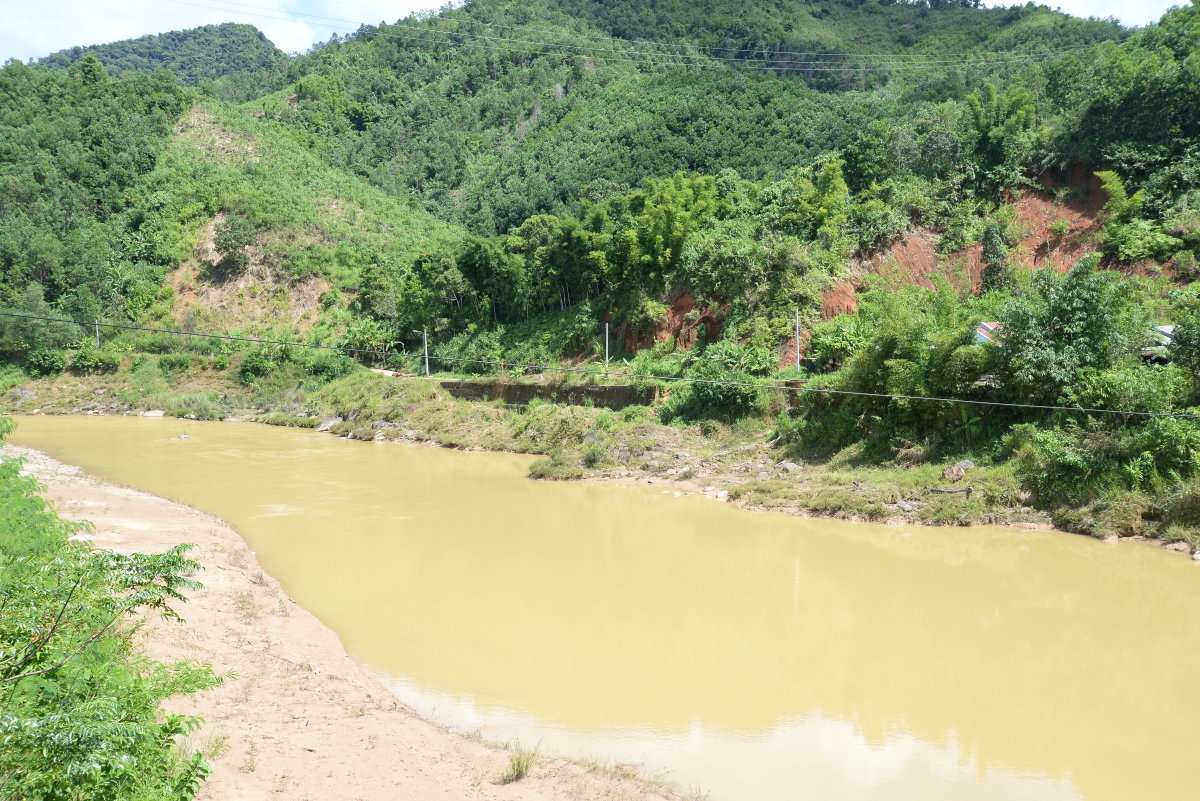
{"points": [[33, 29]]}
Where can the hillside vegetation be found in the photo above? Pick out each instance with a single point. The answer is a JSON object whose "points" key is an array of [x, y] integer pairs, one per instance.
{"points": [[83, 714], [516, 179], [511, 176], [235, 61], [496, 112]]}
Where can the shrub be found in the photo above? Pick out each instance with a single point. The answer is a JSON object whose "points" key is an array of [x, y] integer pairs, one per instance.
{"points": [[233, 238], [329, 365], [555, 467], [1063, 323], [712, 396], [90, 360], [995, 273], [1076, 464], [592, 455], [834, 342], [174, 361], [261, 362], [1139, 240], [83, 714], [45, 361], [746, 358]]}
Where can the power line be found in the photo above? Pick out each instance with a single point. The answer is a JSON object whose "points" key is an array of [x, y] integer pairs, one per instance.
{"points": [[247, 13], [824, 64], [897, 62], [600, 37], [699, 62], [610, 38], [583, 371]]}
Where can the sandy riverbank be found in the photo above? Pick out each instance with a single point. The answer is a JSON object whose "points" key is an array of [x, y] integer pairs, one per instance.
{"points": [[300, 720]]}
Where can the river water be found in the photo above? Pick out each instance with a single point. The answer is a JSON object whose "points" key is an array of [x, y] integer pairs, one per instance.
{"points": [[751, 656]]}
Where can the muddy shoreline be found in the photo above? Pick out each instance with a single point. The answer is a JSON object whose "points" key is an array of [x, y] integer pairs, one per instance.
{"points": [[297, 717], [721, 493]]}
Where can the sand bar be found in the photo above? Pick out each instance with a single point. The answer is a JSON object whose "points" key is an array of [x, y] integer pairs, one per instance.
{"points": [[301, 719]]}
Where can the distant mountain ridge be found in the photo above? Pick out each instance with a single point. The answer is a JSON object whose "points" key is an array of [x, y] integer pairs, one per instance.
{"points": [[207, 53], [758, 28]]}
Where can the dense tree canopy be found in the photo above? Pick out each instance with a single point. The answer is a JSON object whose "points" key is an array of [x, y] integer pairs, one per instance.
{"points": [[239, 57]]}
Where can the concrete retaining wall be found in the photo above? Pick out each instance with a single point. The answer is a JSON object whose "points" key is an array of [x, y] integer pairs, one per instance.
{"points": [[607, 396]]}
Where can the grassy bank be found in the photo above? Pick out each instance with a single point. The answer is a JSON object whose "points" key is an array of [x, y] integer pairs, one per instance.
{"points": [[577, 441]]}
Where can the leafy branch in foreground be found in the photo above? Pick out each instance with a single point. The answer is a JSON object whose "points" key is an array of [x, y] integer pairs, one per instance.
{"points": [[80, 706]]}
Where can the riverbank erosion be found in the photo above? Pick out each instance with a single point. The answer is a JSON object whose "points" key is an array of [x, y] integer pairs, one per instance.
{"points": [[746, 460], [296, 716], [736, 457]]}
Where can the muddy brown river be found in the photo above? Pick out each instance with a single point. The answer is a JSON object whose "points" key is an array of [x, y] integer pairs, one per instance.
{"points": [[750, 656]]}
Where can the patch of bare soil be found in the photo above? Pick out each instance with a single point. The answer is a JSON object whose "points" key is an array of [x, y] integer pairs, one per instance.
{"points": [[1038, 247], [915, 259], [300, 720], [258, 296], [839, 299]]}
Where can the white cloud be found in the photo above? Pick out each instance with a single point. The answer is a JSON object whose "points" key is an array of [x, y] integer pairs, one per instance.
{"points": [[1129, 12], [35, 29]]}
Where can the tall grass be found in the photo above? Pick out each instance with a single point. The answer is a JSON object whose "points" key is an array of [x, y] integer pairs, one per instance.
{"points": [[520, 760]]}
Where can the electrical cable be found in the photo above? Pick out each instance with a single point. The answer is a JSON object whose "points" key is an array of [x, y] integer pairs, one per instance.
{"points": [[700, 59], [667, 60], [576, 370], [892, 62], [939, 58]]}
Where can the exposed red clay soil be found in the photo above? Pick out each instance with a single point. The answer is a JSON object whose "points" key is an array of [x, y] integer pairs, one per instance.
{"points": [[1038, 248], [839, 299], [915, 259], [787, 356], [681, 324]]}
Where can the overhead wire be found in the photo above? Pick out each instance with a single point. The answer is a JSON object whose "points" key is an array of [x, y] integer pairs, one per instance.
{"points": [[824, 62], [660, 59], [599, 36], [595, 372], [687, 58]]}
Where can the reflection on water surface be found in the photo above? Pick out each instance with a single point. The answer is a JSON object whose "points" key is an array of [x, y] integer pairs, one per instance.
{"points": [[757, 656]]}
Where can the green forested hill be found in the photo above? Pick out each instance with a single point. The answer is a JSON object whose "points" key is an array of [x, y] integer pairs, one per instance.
{"points": [[518, 177], [497, 115], [106, 183], [498, 111], [509, 175], [239, 56], [764, 30]]}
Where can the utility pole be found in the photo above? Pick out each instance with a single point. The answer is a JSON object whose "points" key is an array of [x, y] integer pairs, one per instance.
{"points": [[97, 334], [606, 348], [424, 332], [797, 339]]}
